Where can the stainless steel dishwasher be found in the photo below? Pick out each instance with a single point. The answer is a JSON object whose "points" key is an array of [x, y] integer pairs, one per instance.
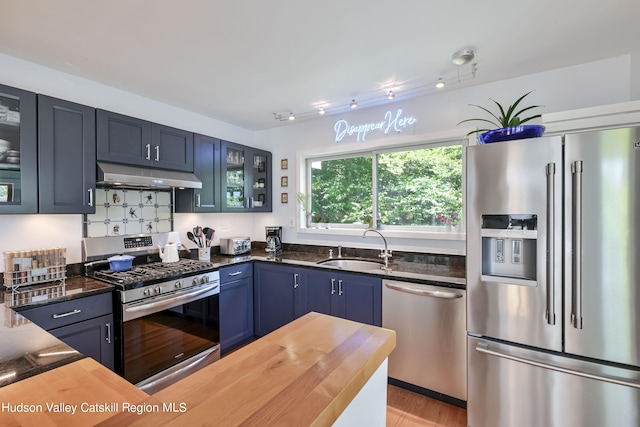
{"points": [[430, 325]]}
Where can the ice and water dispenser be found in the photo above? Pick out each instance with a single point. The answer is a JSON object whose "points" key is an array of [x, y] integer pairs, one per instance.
{"points": [[509, 245]]}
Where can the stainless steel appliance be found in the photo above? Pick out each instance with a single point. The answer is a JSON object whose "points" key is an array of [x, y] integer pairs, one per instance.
{"points": [[553, 268], [273, 239], [235, 246], [431, 338], [166, 314]]}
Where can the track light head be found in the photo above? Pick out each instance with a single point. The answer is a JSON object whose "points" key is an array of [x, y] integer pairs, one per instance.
{"points": [[462, 57], [440, 83], [353, 104], [391, 95]]}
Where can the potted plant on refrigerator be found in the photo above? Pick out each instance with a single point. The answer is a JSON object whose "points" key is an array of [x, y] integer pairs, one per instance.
{"points": [[508, 123]]}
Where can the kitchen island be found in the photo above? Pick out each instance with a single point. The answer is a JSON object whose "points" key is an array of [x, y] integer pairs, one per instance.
{"points": [[315, 370]]}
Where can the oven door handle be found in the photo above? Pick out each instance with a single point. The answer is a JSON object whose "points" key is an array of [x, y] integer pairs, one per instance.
{"points": [[169, 302]]}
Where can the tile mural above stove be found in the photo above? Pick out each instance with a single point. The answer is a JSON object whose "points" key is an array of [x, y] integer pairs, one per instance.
{"points": [[122, 211]]}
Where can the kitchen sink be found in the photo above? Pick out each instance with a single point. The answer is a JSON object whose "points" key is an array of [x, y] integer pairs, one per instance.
{"points": [[352, 264]]}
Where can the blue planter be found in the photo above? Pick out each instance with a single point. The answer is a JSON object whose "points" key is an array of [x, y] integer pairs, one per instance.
{"points": [[509, 134]]}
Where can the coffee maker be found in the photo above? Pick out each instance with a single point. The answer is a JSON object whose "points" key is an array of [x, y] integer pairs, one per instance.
{"points": [[274, 240]]}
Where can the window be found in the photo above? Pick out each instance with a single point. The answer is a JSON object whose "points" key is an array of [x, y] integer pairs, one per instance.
{"points": [[407, 187]]}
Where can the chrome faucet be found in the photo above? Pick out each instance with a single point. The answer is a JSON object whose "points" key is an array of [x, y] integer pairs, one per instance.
{"points": [[339, 251], [385, 253]]}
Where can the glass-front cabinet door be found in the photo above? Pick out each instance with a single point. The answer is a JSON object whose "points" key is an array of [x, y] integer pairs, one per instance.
{"points": [[246, 178], [233, 192], [18, 151]]}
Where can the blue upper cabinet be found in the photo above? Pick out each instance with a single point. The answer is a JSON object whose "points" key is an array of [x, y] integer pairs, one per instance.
{"points": [[206, 166], [246, 178], [18, 151], [66, 156], [128, 140]]}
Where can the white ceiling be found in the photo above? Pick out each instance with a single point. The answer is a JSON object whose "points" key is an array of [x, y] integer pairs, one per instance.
{"points": [[242, 61]]}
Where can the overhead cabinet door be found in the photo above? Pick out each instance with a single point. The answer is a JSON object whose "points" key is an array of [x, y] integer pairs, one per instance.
{"points": [[123, 139], [67, 156]]}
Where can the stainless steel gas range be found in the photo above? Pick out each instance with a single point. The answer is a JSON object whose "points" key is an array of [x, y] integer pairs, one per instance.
{"points": [[166, 314]]}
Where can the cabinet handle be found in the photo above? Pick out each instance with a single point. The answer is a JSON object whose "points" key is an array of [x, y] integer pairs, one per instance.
{"points": [[235, 273], [340, 287], [295, 280], [70, 313], [197, 200], [90, 197], [157, 153], [333, 286], [109, 333], [148, 151]]}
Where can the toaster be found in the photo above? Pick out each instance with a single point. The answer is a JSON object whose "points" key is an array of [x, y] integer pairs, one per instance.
{"points": [[235, 245]]}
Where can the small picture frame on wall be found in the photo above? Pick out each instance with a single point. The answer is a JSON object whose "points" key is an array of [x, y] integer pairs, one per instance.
{"points": [[284, 198], [284, 164], [284, 181]]}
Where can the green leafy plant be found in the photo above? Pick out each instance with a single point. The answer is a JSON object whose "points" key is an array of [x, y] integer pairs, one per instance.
{"points": [[508, 117]]}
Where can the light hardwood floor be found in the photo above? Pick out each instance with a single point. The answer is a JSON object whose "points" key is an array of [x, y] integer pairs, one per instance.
{"points": [[406, 409]]}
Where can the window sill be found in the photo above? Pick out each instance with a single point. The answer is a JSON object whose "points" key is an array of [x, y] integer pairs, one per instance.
{"points": [[401, 234]]}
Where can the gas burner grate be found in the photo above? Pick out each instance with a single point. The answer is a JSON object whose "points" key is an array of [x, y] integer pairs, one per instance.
{"points": [[153, 271]]}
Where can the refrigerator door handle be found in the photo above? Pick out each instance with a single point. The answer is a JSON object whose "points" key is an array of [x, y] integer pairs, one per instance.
{"points": [[483, 347], [551, 194], [576, 282]]}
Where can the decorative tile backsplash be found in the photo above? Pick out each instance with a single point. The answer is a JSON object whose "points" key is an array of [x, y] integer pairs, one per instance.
{"points": [[130, 211]]}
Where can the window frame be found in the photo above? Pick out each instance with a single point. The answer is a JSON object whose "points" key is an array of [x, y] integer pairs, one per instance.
{"points": [[373, 149]]}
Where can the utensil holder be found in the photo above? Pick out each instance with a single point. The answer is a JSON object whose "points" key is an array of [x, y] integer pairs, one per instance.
{"points": [[204, 254]]}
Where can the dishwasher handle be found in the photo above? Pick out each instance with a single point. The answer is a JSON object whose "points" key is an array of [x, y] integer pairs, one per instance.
{"points": [[420, 290]]}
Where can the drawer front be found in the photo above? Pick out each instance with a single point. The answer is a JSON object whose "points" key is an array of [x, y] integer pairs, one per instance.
{"points": [[235, 272], [55, 315]]}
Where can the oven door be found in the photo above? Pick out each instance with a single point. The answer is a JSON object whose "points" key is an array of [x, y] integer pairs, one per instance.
{"points": [[166, 338]]}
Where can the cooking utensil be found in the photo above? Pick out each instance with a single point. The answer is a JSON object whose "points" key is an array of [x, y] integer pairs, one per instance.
{"points": [[210, 234], [192, 238], [197, 232], [120, 262]]}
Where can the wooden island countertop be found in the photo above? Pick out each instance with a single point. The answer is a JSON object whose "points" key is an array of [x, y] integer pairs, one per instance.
{"points": [[305, 373]]}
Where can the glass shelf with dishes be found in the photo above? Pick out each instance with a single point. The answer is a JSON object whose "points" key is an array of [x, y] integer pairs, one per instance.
{"points": [[18, 151], [246, 178]]}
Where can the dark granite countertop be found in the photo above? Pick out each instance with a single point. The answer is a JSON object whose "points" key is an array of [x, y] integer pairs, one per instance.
{"points": [[25, 348], [440, 270]]}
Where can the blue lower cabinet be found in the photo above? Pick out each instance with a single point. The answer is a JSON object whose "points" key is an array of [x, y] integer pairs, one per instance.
{"points": [[84, 323], [279, 296], [93, 338], [350, 296], [236, 313]]}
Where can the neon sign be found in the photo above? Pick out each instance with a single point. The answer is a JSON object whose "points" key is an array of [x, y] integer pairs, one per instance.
{"points": [[390, 123]]}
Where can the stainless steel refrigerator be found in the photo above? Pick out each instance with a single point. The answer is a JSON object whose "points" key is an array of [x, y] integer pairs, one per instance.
{"points": [[553, 281]]}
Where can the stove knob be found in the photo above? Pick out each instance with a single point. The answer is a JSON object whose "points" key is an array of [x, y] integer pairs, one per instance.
{"points": [[195, 281], [158, 289], [205, 279], [178, 284], [147, 292]]}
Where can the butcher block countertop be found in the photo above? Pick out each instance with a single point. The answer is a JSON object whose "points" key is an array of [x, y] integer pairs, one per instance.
{"points": [[305, 373]]}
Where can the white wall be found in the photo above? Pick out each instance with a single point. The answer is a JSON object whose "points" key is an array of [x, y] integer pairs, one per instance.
{"points": [[603, 82]]}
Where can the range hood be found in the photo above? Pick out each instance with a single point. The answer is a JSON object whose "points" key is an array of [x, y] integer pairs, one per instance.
{"points": [[109, 173]]}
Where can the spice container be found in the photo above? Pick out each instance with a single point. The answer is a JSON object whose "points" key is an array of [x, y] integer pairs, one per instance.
{"points": [[29, 267]]}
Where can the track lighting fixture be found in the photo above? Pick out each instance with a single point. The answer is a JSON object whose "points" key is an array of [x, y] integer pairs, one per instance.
{"points": [[462, 57], [380, 95]]}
